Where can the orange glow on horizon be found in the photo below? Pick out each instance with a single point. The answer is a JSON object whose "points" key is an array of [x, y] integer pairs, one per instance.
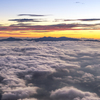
{"points": [[94, 34]]}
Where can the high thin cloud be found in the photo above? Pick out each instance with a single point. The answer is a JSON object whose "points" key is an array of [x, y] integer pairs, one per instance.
{"points": [[25, 20], [91, 19], [34, 15], [27, 24], [77, 2]]}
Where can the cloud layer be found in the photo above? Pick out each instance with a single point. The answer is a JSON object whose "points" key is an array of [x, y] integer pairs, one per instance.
{"points": [[71, 93], [56, 27], [50, 70]]}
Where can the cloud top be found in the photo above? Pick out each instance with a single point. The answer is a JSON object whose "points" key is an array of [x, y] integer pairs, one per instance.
{"points": [[48, 70], [71, 93]]}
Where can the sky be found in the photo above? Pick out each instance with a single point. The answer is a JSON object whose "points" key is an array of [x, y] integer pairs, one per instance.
{"points": [[54, 18]]}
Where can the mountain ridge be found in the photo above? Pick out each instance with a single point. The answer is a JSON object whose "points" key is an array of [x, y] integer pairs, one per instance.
{"points": [[48, 39]]}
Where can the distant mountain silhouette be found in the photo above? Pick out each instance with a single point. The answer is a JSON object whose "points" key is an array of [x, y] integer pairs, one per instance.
{"points": [[56, 39], [11, 39], [48, 39]]}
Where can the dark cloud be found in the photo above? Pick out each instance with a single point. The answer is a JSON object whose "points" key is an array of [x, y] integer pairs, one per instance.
{"points": [[3, 28], [34, 15], [91, 19], [64, 25], [1, 24], [72, 26], [25, 20], [22, 26]]}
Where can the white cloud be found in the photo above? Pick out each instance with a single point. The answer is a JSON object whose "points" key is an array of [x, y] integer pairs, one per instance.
{"points": [[19, 93], [71, 93], [49, 65]]}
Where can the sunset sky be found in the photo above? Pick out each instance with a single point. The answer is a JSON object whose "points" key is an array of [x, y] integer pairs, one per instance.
{"points": [[54, 18]]}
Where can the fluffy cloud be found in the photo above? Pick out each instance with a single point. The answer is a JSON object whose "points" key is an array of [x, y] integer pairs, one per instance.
{"points": [[31, 70], [19, 93], [71, 93]]}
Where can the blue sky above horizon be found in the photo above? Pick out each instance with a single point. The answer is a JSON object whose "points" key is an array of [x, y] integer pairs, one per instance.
{"points": [[73, 9]]}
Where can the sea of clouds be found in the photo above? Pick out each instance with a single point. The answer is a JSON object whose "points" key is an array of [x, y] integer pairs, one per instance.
{"points": [[59, 70]]}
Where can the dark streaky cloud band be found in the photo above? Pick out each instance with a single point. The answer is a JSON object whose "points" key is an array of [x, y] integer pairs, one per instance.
{"points": [[25, 20], [35, 15], [92, 19], [55, 27]]}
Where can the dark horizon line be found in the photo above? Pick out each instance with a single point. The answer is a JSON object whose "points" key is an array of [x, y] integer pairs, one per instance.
{"points": [[63, 38]]}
